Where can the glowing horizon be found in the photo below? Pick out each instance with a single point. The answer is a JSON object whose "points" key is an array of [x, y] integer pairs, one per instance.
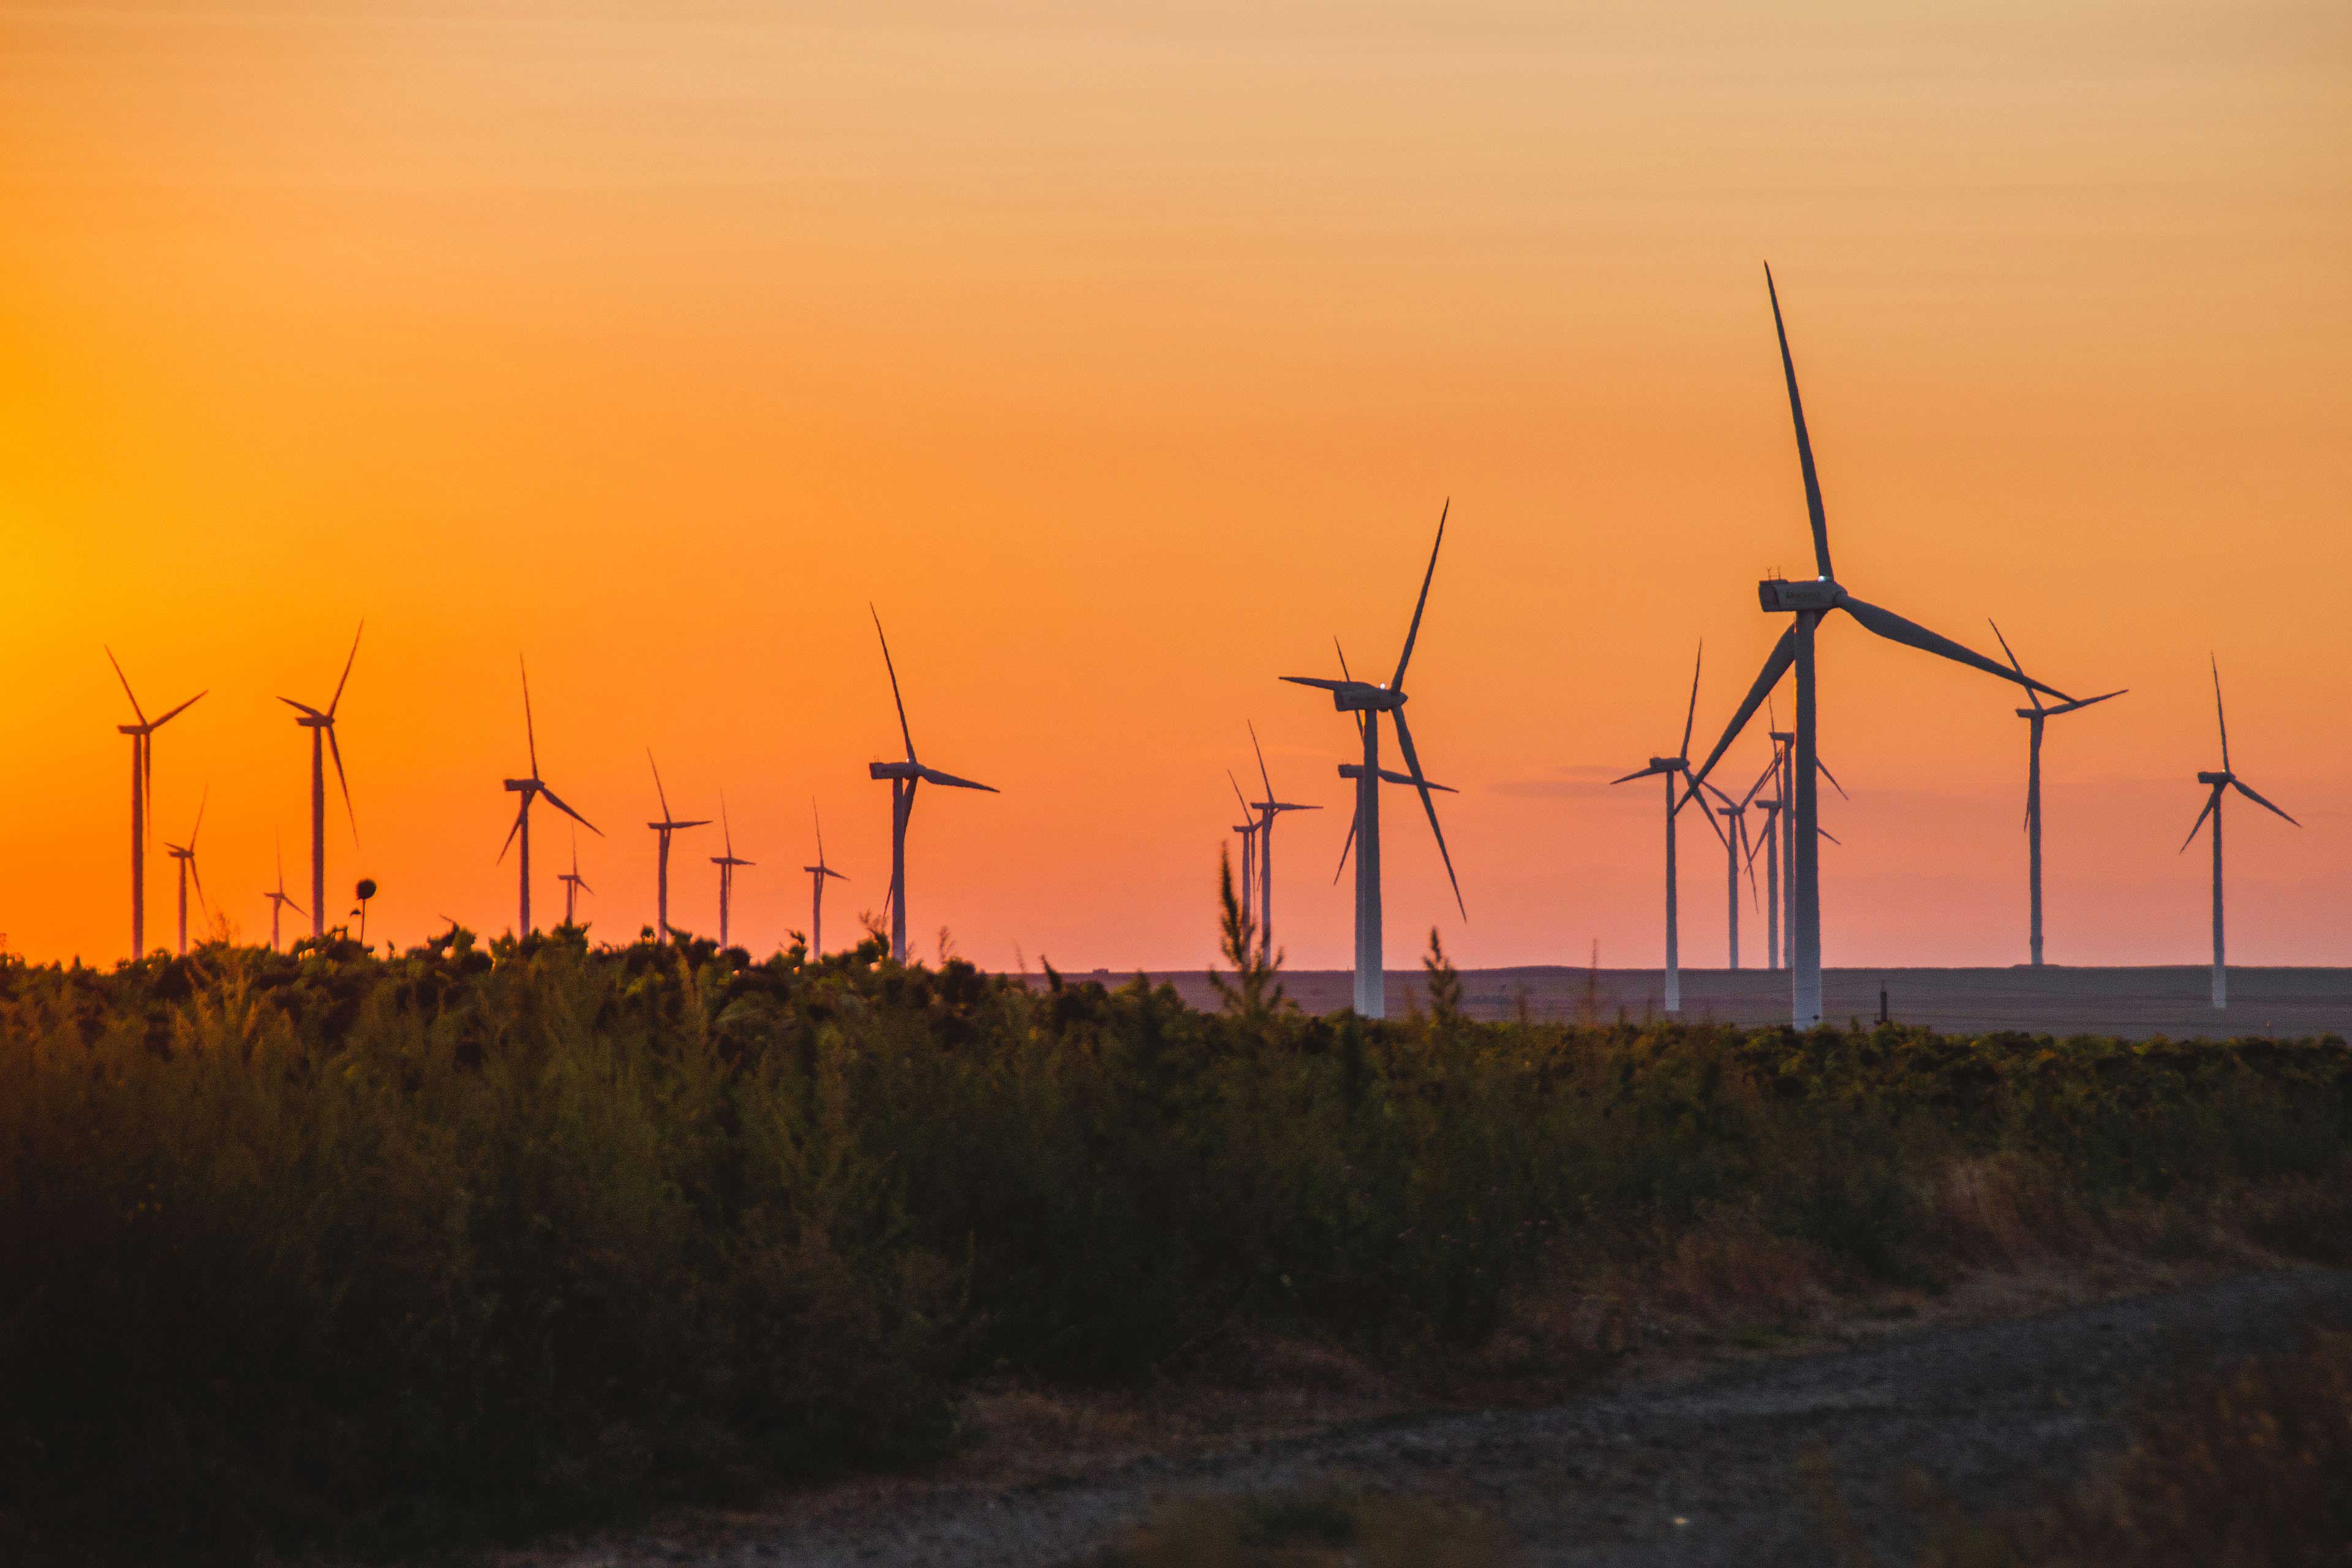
{"points": [[1121, 366]]}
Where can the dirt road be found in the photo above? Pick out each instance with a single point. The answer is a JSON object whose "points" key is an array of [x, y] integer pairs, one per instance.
{"points": [[1701, 1472]]}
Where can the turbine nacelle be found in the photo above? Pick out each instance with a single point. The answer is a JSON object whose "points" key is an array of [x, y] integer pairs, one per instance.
{"points": [[894, 770], [1820, 593], [525, 785], [2217, 780]]}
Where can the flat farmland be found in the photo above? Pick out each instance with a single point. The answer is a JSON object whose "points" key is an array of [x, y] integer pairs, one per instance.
{"points": [[2173, 1000]]}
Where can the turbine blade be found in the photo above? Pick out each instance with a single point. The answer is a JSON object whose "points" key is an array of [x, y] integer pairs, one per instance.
{"points": [[1691, 714], [1349, 843], [904, 734], [1320, 682], [530, 733], [933, 775], [837, 876], [1345, 676], [659, 794], [1831, 836], [1824, 769], [1428, 804], [337, 701], [557, 801], [175, 712], [198, 879], [301, 706], [1644, 774], [1776, 665], [2240, 786], [2087, 701], [1896, 628], [515, 829], [2211, 801], [1413, 631], [126, 685], [2219, 717], [818, 817], [1706, 812], [1397, 778], [1238, 792], [1804, 442], [2030, 692], [1262, 773], [335, 747], [202, 801]]}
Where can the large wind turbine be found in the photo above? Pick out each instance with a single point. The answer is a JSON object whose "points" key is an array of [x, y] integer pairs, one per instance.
{"points": [[1669, 769], [575, 884], [186, 854], [1267, 810], [1371, 701], [662, 831], [2035, 717], [530, 789], [1810, 602], [322, 741], [143, 798], [817, 873], [282, 900], [904, 776], [2219, 783], [726, 864]]}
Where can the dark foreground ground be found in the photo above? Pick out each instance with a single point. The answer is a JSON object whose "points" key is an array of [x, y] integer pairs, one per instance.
{"points": [[1732, 1468], [2135, 1004]]}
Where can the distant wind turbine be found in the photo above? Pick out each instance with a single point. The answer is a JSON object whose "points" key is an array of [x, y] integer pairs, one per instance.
{"points": [[1370, 701], [186, 854], [2220, 783], [1248, 828], [817, 875], [143, 798], [2035, 717], [1267, 810], [904, 776], [727, 864], [1669, 769], [575, 884], [280, 900], [662, 832], [530, 789], [1736, 844], [1810, 602], [322, 741]]}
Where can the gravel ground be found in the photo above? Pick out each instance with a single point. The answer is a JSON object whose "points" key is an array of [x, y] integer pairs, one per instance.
{"points": [[1703, 1472]]}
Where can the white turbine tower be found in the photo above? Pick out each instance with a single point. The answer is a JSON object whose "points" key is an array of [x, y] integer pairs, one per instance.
{"points": [[2220, 783], [1371, 701], [1810, 603], [1267, 810], [2035, 717]]}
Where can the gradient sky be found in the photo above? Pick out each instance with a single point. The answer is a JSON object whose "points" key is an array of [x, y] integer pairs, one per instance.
{"points": [[1123, 355]]}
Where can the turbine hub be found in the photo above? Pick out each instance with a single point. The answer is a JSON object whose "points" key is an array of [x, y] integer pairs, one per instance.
{"points": [[894, 770], [2214, 778]]}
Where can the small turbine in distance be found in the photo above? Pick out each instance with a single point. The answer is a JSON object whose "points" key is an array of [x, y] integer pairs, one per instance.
{"points": [[904, 776], [322, 726], [282, 900], [575, 884], [530, 789], [1267, 810], [2220, 784], [143, 798], [662, 829], [186, 854], [1670, 769], [817, 875], [2035, 717], [727, 864]]}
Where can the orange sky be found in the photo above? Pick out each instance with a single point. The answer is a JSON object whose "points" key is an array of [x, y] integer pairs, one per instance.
{"points": [[1123, 355]]}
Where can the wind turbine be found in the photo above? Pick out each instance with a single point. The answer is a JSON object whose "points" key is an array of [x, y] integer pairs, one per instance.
{"points": [[2035, 717], [186, 854], [1669, 769], [322, 741], [1779, 840], [1248, 828], [1736, 844], [1810, 603], [904, 776], [530, 789], [726, 864], [575, 884], [1267, 810], [143, 798], [817, 873], [282, 900], [2219, 783], [1371, 701], [1390, 774], [662, 831]]}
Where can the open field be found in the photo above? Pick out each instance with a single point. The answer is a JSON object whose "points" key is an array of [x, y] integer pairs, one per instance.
{"points": [[2172, 1001]]}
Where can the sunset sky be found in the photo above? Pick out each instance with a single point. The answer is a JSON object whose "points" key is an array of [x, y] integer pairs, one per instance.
{"points": [[1121, 355]]}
